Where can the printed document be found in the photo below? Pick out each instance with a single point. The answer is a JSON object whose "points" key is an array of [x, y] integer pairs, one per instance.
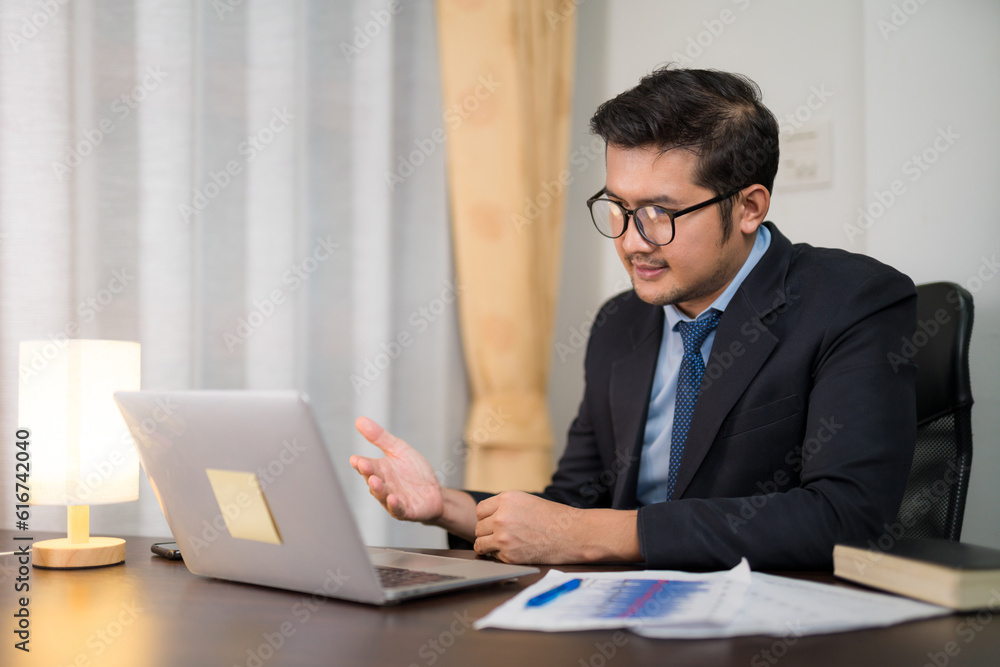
{"points": [[682, 605], [624, 600]]}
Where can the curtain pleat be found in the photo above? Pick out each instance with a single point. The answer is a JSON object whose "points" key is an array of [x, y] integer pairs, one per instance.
{"points": [[507, 70], [235, 216]]}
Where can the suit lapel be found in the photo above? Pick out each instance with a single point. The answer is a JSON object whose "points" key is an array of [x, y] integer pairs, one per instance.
{"points": [[631, 384], [762, 292]]}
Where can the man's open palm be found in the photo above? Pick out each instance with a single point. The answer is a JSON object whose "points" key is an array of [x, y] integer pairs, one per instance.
{"points": [[403, 481]]}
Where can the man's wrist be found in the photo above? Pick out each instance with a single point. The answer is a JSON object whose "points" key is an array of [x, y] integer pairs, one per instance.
{"points": [[458, 513], [608, 535]]}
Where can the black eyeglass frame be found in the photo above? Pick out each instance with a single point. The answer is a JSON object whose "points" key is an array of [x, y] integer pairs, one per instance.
{"points": [[670, 214]]}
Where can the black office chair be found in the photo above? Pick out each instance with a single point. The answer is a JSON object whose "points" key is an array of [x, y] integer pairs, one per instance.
{"points": [[934, 500]]}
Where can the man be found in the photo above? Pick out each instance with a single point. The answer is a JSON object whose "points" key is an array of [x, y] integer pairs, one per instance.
{"points": [[739, 400]]}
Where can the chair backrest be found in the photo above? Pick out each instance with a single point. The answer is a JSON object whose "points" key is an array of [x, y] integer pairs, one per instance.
{"points": [[934, 500]]}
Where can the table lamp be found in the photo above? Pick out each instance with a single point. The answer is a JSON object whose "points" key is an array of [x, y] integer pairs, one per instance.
{"points": [[81, 451]]}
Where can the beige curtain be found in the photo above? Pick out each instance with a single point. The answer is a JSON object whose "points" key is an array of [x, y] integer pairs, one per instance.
{"points": [[507, 81]]}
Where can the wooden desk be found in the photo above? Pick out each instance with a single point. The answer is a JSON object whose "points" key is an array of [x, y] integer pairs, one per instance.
{"points": [[152, 612]]}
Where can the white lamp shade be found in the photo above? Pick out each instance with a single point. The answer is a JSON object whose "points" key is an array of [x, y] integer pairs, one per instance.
{"points": [[81, 450]]}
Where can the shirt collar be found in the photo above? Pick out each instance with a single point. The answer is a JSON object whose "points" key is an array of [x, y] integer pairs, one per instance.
{"points": [[760, 246]]}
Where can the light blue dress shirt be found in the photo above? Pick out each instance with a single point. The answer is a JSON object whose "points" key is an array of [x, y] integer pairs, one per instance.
{"points": [[655, 462]]}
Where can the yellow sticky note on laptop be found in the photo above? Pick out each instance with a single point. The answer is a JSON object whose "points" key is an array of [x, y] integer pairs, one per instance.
{"points": [[243, 505]]}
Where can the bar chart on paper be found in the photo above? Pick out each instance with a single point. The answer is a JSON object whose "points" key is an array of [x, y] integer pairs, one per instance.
{"points": [[562, 601], [635, 598]]}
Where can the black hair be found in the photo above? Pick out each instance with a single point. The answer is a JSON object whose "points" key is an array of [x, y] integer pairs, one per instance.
{"points": [[716, 115]]}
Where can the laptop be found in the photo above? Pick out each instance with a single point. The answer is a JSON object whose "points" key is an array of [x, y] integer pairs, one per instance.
{"points": [[251, 494]]}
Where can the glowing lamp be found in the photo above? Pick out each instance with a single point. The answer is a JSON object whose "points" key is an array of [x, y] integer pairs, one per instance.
{"points": [[81, 452]]}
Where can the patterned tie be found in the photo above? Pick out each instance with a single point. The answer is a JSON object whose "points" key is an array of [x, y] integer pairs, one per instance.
{"points": [[688, 383]]}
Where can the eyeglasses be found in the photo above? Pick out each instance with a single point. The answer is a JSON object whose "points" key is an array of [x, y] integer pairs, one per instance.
{"points": [[655, 223]]}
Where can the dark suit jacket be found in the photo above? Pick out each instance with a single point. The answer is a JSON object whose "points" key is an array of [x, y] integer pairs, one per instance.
{"points": [[802, 435]]}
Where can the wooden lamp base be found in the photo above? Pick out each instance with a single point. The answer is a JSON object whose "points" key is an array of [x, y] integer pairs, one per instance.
{"points": [[79, 550], [63, 554]]}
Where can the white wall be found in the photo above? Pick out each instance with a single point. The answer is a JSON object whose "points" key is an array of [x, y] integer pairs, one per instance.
{"points": [[789, 48], [938, 76], [886, 98], [584, 249]]}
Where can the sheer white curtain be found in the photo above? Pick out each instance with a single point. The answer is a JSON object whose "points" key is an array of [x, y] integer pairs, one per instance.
{"points": [[249, 189]]}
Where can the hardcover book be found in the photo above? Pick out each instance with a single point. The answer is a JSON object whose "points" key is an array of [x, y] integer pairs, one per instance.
{"points": [[951, 574]]}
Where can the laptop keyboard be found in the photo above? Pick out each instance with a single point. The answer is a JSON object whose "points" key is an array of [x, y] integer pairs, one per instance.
{"points": [[396, 577]]}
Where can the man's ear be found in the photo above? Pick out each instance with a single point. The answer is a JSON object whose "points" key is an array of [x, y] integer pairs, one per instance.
{"points": [[752, 207]]}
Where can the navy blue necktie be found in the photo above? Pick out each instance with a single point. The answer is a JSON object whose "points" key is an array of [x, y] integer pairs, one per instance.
{"points": [[688, 383]]}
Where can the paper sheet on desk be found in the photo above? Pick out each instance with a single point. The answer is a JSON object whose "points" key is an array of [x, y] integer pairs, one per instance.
{"points": [[626, 600], [783, 607]]}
